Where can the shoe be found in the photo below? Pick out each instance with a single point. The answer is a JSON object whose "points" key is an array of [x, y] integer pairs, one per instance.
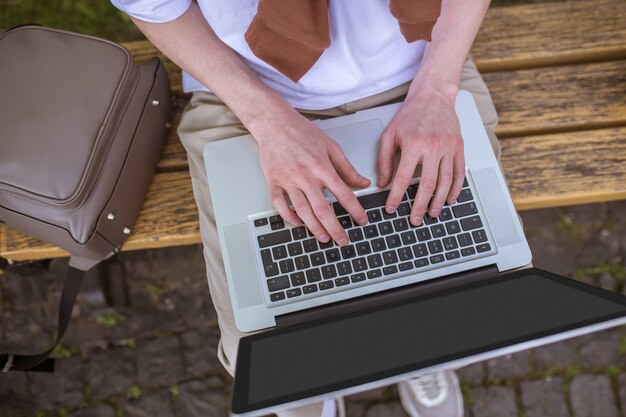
{"points": [[433, 395]]}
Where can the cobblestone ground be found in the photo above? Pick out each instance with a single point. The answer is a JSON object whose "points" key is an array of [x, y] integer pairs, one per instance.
{"points": [[153, 353]]}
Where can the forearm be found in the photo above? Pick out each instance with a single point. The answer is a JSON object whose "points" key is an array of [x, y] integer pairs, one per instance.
{"points": [[190, 42], [452, 38]]}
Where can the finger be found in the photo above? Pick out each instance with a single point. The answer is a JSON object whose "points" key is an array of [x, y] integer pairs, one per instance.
{"points": [[425, 189], [444, 181], [303, 208], [401, 180], [326, 215], [280, 204], [459, 177], [346, 198], [386, 151], [345, 169]]}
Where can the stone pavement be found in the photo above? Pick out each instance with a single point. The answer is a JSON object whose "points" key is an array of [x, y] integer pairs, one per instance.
{"points": [[153, 353]]}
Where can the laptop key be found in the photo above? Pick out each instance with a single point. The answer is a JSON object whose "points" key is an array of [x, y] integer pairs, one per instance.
{"points": [[332, 255], [260, 222], [463, 210], [378, 245], [405, 254], [344, 268], [436, 259], [453, 255], [373, 200], [412, 191], [420, 262], [279, 252], [326, 285], [308, 289], [302, 262], [390, 257], [374, 273], [277, 225], [468, 251], [358, 277], [363, 248], [471, 223], [297, 278], [277, 296], [286, 266], [429, 220], [275, 238], [375, 261], [404, 209], [464, 239], [329, 271], [310, 245], [388, 270], [453, 227], [465, 195], [355, 235], [483, 247], [266, 257], [400, 224], [445, 214], [408, 238], [345, 222], [293, 292], [449, 243], [370, 231], [465, 184], [294, 249], [388, 216], [438, 230], [359, 264], [423, 234], [339, 210], [393, 241], [278, 283], [342, 281], [374, 216], [276, 218], [479, 236], [385, 228], [271, 270], [348, 252], [405, 266], [299, 233], [326, 245], [434, 246], [420, 250], [317, 258], [313, 275]]}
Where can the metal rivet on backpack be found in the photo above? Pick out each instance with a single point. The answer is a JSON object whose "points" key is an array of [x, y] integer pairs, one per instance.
{"points": [[126, 231], [111, 216], [155, 103]]}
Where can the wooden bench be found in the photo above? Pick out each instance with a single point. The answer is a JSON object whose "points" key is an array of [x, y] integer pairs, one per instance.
{"points": [[557, 73]]}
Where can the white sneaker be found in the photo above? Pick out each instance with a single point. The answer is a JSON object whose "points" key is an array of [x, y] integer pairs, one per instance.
{"points": [[433, 395]]}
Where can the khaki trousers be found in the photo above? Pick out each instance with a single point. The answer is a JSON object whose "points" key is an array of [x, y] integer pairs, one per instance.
{"points": [[207, 119]]}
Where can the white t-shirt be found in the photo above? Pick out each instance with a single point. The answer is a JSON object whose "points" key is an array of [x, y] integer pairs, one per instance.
{"points": [[367, 54]]}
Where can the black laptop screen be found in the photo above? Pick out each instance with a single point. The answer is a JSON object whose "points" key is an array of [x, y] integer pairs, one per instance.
{"points": [[332, 354]]}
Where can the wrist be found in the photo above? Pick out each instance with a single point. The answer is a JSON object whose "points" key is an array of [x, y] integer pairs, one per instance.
{"points": [[432, 81]]}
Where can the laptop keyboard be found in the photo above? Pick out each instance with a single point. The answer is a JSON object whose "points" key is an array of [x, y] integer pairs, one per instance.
{"points": [[296, 266]]}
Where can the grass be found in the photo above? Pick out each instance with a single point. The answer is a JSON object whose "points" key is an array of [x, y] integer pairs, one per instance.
{"points": [[109, 319], [134, 393]]}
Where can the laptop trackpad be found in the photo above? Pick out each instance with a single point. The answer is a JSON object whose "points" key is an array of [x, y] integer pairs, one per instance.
{"points": [[242, 267]]}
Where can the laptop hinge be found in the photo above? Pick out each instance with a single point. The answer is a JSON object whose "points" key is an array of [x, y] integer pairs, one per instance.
{"points": [[386, 297]]}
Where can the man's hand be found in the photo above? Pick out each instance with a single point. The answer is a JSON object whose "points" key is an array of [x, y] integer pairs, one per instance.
{"points": [[299, 160], [427, 132]]}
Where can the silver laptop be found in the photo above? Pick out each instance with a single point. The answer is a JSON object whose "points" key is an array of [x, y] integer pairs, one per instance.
{"points": [[281, 277]]}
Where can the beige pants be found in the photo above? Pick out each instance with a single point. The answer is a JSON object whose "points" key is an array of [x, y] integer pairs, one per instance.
{"points": [[207, 119]]}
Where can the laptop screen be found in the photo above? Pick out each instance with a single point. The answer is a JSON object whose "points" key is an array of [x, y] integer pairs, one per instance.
{"points": [[302, 361]]}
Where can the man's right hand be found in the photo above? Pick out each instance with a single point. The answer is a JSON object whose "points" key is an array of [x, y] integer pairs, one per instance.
{"points": [[299, 161]]}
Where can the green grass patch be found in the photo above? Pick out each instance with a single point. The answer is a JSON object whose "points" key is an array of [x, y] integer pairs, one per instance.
{"points": [[61, 352], [612, 371], [175, 390], [134, 393], [467, 394], [109, 319]]}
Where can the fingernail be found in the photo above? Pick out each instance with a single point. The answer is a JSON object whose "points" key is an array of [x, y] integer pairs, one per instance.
{"points": [[324, 238], [434, 213], [342, 242], [390, 209], [416, 220], [363, 221]]}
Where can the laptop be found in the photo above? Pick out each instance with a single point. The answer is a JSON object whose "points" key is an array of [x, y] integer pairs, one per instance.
{"points": [[341, 320]]}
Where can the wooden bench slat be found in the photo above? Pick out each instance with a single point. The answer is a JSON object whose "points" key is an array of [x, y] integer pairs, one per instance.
{"points": [[543, 171], [533, 101], [565, 32]]}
